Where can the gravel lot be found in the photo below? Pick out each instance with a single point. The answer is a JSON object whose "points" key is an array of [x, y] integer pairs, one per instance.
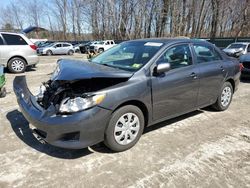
{"points": [[201, 149]]}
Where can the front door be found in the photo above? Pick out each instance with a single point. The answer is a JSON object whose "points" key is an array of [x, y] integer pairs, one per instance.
{"points": [[175, 92]]}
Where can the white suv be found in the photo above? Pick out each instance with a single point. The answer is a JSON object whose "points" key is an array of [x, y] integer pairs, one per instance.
{"points": [[101, 46], [17, 52]]}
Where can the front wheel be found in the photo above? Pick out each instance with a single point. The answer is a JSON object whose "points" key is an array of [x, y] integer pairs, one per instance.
{"points": [[100, 50], [49, 53], [225, 97], [125, 128]]}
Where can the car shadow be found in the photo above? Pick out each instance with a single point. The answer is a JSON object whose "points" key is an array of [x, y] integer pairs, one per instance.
{"points": [[29, 69], [22, 129], [102, 149], [245, 80], [171, 121]]}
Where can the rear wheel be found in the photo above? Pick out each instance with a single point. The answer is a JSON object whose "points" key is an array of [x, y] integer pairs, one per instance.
{"points": [[70, 52], [17, 65], [225, 97], [125, 128]]}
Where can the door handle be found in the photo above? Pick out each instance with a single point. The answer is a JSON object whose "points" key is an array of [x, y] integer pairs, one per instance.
{"points": [[222, 69], [193, 75]]}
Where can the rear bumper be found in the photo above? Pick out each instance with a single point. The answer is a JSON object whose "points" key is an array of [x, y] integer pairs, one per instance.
{"points": [[79, 130], [32, 60]]}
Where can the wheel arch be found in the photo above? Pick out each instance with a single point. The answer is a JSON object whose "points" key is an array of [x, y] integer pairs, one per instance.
{"points": [[231, 81], [138, 104], [18, 56]]}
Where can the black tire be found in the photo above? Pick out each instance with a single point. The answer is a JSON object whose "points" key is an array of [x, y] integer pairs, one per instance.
{"points": [[100, 50], [70, 52], [17, 65], [218, 105], [110, 140], [3, 92], [49, 53]]}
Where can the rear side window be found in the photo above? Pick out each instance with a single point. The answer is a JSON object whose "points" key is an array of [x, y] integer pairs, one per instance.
{"points": [[206, 53], [14, 39], [1, 41], [66, 45]]}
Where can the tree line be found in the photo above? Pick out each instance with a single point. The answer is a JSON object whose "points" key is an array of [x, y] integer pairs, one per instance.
{"points": [[129, 19]]}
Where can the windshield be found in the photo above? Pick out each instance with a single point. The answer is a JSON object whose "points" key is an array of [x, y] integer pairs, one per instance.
{"points": [[130, 56], [231, 46]]}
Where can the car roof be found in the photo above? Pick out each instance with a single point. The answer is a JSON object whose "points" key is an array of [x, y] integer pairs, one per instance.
{"points": [[11, 33], [245, 43], [173, 40]]}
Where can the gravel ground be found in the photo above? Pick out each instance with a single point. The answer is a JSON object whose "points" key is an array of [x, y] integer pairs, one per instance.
{"points": [[201, 149]]}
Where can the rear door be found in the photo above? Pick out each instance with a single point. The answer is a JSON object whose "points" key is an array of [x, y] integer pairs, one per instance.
{"points": [[211, 73], [175, 92], [66, 48]]}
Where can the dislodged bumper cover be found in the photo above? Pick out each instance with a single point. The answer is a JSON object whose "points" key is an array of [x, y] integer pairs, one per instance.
{"points": [[89, 124]]}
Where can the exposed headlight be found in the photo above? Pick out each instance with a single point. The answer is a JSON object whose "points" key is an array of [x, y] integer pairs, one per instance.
{"points": [[77, 104], [55, 73]]}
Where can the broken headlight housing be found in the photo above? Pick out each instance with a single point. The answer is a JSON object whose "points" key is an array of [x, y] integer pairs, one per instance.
{"points": [[69, 105]]}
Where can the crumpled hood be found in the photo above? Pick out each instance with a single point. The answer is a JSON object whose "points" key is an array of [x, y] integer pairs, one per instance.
{"points": [[77, 70], [232, 50]]}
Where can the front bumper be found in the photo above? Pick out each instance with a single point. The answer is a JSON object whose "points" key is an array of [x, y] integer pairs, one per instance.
{"points": [[79, 130]]}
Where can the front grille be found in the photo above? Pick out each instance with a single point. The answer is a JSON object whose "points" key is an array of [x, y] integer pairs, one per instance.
{"points": [[246, 65]]}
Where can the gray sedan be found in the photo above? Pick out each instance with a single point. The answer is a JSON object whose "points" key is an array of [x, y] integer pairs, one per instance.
{"points": [[133, 85], [57, 48]]}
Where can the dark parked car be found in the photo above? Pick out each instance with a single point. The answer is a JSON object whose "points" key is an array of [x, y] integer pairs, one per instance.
{"points": [[245, 64], [84, 48], [132, 85]]}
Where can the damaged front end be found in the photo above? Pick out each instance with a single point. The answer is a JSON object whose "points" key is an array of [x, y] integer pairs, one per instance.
{"points": [[68, 112], [74, 96]]}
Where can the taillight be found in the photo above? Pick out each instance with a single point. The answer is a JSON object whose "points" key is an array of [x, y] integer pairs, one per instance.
{"points": [[241, 66], [34, 47]]}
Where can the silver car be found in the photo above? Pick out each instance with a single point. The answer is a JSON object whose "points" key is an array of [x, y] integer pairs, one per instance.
{"points": [[237, 49], [56, 48], [17, 52]]}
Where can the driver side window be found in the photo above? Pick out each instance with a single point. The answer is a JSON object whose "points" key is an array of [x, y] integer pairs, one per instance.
{"points": [[178, 56]]}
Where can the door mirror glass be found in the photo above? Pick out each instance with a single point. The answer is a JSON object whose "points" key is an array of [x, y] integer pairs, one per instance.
{"points": [[163, 67]]}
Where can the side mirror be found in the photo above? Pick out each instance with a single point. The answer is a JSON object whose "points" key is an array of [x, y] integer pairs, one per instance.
{"points": [[54, 46], [162, 67]]}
